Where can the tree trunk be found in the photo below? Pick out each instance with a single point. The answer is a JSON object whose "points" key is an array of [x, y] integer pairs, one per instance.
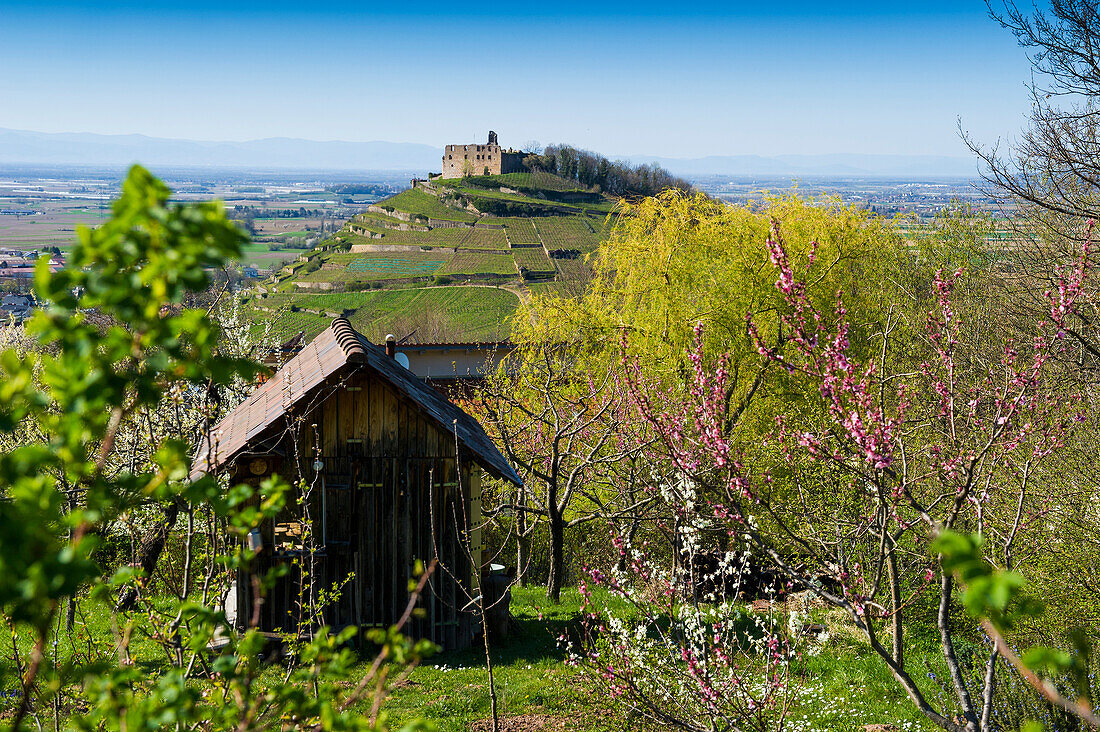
{"points": [[149, 551], [523, 558], [557, 556], [628, 545], [943, 622], [523, 545]]}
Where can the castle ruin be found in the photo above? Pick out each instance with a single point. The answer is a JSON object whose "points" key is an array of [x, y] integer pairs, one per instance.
{"points": [[490, 158]]}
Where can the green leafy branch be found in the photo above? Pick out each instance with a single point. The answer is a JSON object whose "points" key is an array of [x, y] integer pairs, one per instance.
{"points": [[997, 598]]}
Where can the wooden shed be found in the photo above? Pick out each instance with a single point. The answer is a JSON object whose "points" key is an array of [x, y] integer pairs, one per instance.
{"points": [[392, 474]]}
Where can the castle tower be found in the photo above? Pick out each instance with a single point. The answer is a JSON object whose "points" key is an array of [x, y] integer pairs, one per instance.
{"points": [[487, 159]]}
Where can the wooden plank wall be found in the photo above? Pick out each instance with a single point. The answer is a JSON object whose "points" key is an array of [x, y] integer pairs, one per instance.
{"points": [[388, 495]]}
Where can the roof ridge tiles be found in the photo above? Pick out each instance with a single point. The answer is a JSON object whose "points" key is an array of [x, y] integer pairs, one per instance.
{"points": [[347, 337]]}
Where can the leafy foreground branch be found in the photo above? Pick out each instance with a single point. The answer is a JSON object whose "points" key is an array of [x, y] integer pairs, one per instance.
{"points": [[114, 345]]}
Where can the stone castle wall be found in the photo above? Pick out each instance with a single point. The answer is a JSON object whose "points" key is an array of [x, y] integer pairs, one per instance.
{"points": [[511, 162], [458, 160]]}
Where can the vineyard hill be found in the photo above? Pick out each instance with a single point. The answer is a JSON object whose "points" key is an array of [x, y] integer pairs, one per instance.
{"points": [[444, 261]]}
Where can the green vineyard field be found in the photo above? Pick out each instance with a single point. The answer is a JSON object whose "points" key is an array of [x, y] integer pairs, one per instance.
{"points": [[534, 260], [472, 263]]}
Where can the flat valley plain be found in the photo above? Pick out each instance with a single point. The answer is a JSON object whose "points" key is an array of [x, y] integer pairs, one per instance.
{"points": [[42, 206], [287, 212]]}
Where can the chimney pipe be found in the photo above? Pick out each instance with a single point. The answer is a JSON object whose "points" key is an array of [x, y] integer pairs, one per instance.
{"points": [[391, 345]]}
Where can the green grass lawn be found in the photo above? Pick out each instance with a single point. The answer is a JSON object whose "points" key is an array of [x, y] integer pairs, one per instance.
{"points": [[537, 179], [536, 204], [841, 686], [531, 677]]}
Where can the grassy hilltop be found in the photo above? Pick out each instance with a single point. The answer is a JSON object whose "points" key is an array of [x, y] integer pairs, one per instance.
{"points": [[448, 259]]}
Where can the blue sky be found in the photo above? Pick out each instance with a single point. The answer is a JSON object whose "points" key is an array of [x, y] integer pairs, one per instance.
{"points": [[669, 79]]}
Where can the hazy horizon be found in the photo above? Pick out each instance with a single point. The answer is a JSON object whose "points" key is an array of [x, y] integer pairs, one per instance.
{"points": [[24, 147]]}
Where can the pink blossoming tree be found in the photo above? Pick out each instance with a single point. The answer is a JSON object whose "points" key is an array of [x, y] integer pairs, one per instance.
{"points": [[845, 499]]}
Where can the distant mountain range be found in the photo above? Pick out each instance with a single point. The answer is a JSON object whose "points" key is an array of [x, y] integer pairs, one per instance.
{"points": [[86, 149], [40, 148]]}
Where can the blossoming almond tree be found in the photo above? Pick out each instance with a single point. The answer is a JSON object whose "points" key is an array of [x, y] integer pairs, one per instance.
{"points": [[568, 431], [851, 494]]}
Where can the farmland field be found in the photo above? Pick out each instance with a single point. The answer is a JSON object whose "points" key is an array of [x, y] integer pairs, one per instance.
{"points": [[48, 223], [54, 224]]}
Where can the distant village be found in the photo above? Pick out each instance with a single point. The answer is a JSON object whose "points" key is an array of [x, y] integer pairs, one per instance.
{"points": [[17, 267]]}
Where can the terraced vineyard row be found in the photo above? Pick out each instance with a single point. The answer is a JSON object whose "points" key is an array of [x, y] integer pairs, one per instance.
{"points": [[568, 233], [418, 202], [472, 263], [539, 179], [286, 323], [521, 231], [394, 275], [534, 261], [390, 267], [329, 302], [577, 270], [344, 268], [461, 237], [374, 266], [467, 313]]}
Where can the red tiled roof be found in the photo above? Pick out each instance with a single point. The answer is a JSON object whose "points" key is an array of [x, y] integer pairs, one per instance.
{"points": [[338, 348]]}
